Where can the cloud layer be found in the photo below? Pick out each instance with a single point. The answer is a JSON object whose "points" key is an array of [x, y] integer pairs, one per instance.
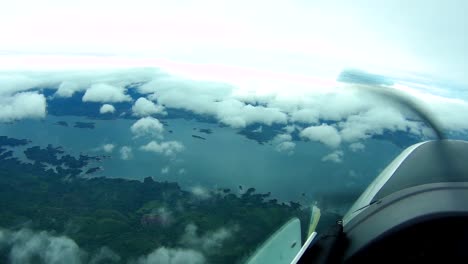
{"points": [[328, 114]]}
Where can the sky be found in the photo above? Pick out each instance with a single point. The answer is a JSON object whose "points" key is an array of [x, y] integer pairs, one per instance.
{"points": [[313, 38], [241, 62], [217, 57]]}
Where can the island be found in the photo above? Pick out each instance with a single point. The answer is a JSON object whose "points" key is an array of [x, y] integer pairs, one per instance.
{"points": [[62, 123], [13, 142], [205, 130], [196, 136], [93, 170]]}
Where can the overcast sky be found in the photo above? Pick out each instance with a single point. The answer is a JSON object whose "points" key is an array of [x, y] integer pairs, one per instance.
{"points": [[310, 37]]}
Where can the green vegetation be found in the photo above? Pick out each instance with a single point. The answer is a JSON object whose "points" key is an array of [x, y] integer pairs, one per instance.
{"points": [[131, 217]]}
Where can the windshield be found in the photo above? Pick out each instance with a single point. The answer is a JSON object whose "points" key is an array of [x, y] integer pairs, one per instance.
{"points": [[150, 132]]}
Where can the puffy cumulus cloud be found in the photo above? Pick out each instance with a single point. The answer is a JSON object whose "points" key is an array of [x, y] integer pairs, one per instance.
{"points": [[105, 255], [357, 146], [167, 148], [105, 93], [67, 89], [22, 105], [26, 246], [200, 192], [69, 81], [448, 112], [147, 126], [211, 98], [126, 153], [287, 146], [307, 116], [237, 114], [325, 134], [359, 115], [375, 122], [107, 108], [210, 241], [164, 255], [165, 170], [144, 107], [336, 157], [283, 143], [333, 104], [108, 148]]}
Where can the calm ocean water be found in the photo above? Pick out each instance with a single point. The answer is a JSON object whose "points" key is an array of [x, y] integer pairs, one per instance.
{"points": [[225, 159]]}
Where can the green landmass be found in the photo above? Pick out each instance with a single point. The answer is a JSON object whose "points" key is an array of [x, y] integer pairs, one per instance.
{"points": [[125, 215]]}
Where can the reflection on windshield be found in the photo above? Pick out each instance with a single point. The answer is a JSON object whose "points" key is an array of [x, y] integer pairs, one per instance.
{"points": [[137, 166]]}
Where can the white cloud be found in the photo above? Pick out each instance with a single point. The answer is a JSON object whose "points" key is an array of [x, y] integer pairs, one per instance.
{"points": [[283, 143], [325, 134], [165, 170], [147, 126], [22, 105], [126, 153], [258, 130], [287, 146], [105, 255], [357, 146], [357, 115], [164, 255], [200, 192], [12, 83], [215, 99], [307, 116], [291, 128], [107, 108], [108, 148], [144, 107], [105, 93], [26, 246], [208, 242], [167, 148], [67, 89], [336, 157], [375, 121]]}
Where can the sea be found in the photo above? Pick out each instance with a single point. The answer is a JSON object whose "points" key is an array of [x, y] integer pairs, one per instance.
{"points": [[223, 159]]}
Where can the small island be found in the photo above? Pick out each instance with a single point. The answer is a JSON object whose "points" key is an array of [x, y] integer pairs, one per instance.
{"points": [[62, 123], [195, 136], [13, 142], [93, 170], [205, 130]]}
